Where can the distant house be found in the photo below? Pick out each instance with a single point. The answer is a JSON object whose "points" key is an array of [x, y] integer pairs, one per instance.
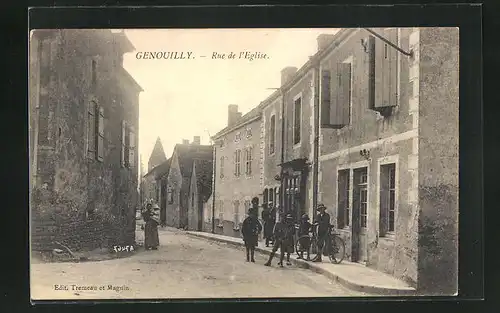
{"points": [[200, 191], [150, 189], [179, 180], [160, 176]]}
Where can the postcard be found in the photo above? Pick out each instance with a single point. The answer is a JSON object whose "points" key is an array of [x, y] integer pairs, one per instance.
{"points": [[243, 163]]}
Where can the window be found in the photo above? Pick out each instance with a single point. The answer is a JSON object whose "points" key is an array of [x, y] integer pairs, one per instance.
{"points": [[128, 145], [221, 213], [297, 118], [93, 74], [363, 192], [237, 137], [222, 167], [100, 138], [325, 97], [387, 198], [237, 163], [91, 130], [248, 160], [272, 134], [170, 195], [249, 133], [343, 217], [192, 200], [236, 217], [271, 198]]}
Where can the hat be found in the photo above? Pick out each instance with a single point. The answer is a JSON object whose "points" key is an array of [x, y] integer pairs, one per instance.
{"points": [[321, 206], [305, 217], [288, 216], [156, 207]]}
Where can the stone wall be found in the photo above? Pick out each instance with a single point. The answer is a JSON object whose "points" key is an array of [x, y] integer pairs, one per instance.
{"points": [[438, 146]]}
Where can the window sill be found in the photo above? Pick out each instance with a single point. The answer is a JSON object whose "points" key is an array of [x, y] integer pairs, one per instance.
{"points": [[388, 237], [297, 145], [220, 226]]}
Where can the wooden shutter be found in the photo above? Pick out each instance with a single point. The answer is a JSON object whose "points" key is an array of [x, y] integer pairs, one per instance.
{"points": [[100, 138], [131, 147], [91, 129], [122, 154], [386, 70], [384, 201], [341, 113], [325, 97], [371, 72]]}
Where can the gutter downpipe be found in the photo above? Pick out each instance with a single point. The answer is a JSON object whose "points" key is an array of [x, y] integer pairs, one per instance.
{"points": [[317, 81], [282, 188], [213, 188]]}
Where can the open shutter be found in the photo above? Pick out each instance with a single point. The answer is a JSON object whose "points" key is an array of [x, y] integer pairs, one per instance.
{"points": [[386, 70], [100, 138], [340, 113], [91, 130], [325, 97], [131, 148], [371, 72], [392, 71], [122, 154]]}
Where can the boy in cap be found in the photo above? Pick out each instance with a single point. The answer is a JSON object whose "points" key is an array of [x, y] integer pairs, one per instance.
{"points": [[283, 236], [250, 230], [305, 242]]}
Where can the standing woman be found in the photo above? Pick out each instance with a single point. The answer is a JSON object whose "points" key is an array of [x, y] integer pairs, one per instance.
{"points": [[152, 219], [250, 230]]}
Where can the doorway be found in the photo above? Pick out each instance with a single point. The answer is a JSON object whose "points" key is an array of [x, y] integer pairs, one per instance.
{"points": [[360, 214]]}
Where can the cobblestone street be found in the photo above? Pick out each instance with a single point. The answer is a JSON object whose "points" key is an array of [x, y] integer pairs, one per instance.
{"points": [[183, 267]]}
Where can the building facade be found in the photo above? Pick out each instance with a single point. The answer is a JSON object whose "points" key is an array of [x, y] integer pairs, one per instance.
{"points": [[370, 129], [83, 128], [237, 172]]}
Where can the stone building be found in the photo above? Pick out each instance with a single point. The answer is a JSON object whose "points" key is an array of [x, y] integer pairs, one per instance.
{"points": [[370, 130], [200, 191], [83, 125], [178, 180], [151, 189], [237, 171]]}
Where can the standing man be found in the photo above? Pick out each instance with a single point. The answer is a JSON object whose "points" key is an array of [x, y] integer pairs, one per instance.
{"points": [[268, 223], [250, 230], [323, 224]]}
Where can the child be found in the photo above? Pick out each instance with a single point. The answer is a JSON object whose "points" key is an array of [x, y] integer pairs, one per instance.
{"points": [[283, 236], [250, 230], [305, 243]]}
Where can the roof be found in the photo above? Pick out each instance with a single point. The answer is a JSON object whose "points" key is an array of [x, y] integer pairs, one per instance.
{"points": [[187, 153], [162, 169], [204, 171], [158, 154], [254, 114]]}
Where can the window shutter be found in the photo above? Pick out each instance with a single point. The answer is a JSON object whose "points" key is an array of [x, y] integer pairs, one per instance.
{"points": [[131, 149], [384, 202], [340, 114], [325, 97], [386, 70], [371, 72], [122, 154], [91, 130], [392, 70], [100, 138]]}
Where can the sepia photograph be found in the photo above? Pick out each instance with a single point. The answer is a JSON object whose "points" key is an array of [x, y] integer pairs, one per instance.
{"points": [[243, 163]]}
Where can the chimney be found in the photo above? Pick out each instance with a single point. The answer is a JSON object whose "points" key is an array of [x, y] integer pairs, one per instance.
{"points": [[185, 141], [324, 40], [196, 140], [232, 114], [287, 73]]}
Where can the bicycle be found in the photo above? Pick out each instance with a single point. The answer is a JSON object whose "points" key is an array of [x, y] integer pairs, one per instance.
{"points": [[334, 244]]}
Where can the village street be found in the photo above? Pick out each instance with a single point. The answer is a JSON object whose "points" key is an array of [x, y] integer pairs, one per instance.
{"points": [[183, 267]]}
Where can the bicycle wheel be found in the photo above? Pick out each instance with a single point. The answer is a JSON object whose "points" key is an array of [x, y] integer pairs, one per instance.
{"points": [[337, 249], [299, 249]]}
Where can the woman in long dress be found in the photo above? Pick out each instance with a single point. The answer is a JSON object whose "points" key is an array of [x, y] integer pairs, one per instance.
{"points": [[152, 219]]}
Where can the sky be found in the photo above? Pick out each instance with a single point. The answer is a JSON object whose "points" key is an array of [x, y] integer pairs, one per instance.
{"points": [[183, 98]]}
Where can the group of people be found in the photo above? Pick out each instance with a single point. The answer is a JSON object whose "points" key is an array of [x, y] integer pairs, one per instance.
{"points": [[151, 217], [281, 234]]}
